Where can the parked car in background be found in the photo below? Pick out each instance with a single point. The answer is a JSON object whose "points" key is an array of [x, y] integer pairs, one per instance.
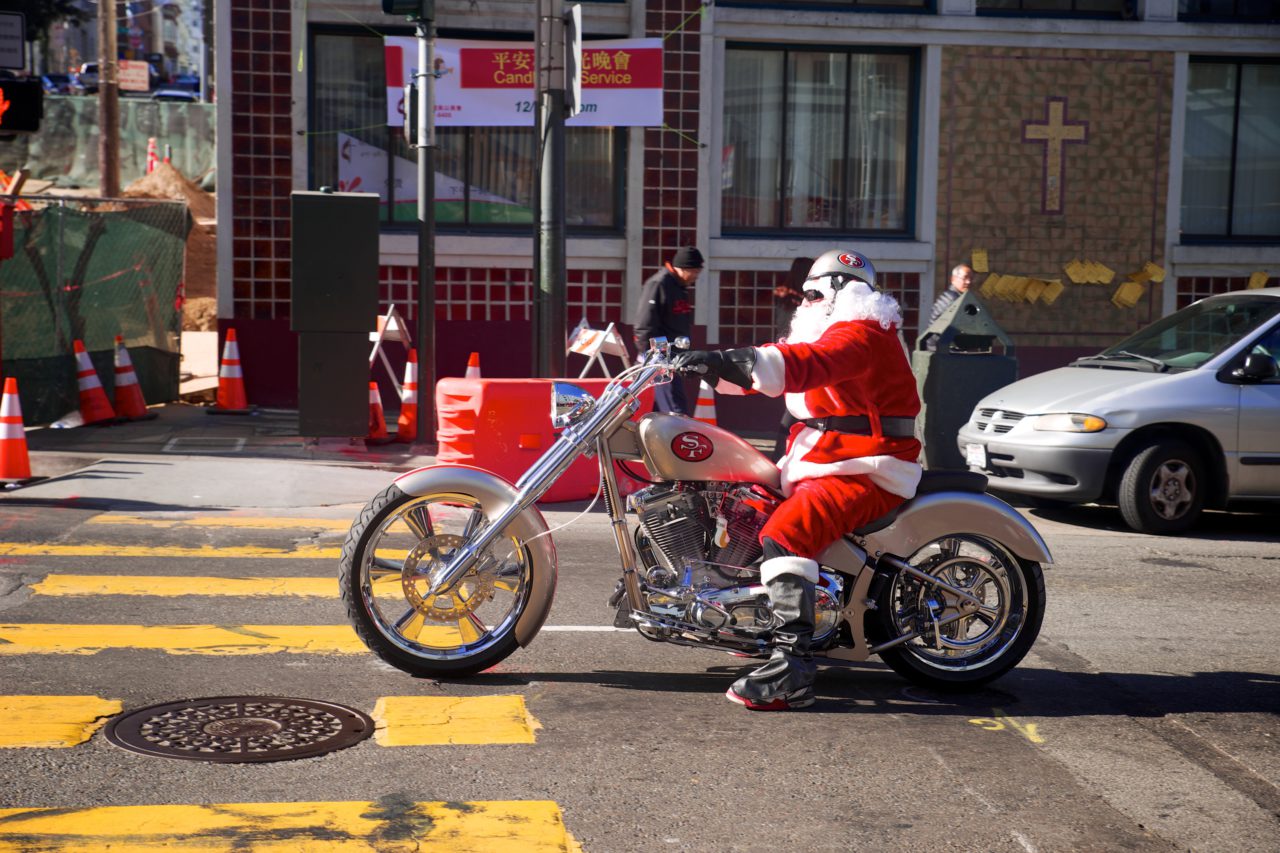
{"points": [[56, 84], [170, 94], [1182, 415], [190, 82], [86, 79]]}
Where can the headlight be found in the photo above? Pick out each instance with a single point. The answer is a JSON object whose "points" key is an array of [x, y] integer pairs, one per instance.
{"points": [[1069, 422], [569, 404]]}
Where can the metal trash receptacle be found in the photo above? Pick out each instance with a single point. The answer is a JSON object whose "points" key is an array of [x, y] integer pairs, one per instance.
{"points": [[956, 365]]}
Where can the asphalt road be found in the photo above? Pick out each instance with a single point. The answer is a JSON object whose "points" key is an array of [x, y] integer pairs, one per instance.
{"points": [[1145, 718]]}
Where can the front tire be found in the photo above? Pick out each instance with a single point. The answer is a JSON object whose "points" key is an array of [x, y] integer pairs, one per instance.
{"points": [[971, 650], [397, 541], [1163, 488]]}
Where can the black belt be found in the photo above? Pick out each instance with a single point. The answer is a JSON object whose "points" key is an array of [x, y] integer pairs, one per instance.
{"points": [[861, 425]]}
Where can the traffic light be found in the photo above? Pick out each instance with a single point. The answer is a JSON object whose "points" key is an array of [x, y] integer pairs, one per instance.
{"points": [[21, 106], [410, 8]]}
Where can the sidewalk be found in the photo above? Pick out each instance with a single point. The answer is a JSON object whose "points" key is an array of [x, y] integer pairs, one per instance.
{"points": [[182, 429]]}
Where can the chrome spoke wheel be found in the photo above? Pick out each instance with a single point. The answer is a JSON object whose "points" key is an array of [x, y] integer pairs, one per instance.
{"points": [[1173, 489], [955, 632], [407, 550]]}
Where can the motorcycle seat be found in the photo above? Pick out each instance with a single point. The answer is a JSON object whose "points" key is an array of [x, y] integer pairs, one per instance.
{"points": [[930, 482]]}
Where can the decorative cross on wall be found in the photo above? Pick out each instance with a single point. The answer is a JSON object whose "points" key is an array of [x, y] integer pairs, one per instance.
{"points": [[1054, 133]]}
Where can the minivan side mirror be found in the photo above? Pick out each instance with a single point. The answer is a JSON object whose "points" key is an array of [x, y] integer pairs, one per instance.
{"points": [[1258, 367]]}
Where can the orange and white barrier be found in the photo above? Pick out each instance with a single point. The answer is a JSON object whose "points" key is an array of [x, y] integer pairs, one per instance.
{"points": [[94, 406], [153, 156], [377, 422], [129, 400], [705, 411], [473, 367], [231, 395], [15, 464], [407, 423]]}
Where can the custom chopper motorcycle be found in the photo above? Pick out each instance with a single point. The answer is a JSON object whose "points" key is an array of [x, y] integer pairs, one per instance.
{"points": [[451, 569]]}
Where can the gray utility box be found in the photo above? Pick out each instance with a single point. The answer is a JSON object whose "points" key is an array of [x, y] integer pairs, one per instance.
{"points": [[955, 366], [334, 308]]}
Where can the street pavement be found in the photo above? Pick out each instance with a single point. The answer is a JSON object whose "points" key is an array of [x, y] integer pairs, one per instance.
{"points": [[195, 556]]}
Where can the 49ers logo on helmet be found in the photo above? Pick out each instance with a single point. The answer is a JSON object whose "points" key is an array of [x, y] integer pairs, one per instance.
{"points": [[691, 446], [851, 260]]}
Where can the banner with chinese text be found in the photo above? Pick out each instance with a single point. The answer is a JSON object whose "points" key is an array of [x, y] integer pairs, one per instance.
{"points": [[491, 83]]}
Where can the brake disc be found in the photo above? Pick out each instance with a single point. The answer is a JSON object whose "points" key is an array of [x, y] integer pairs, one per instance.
{"points": [[474, 589]]}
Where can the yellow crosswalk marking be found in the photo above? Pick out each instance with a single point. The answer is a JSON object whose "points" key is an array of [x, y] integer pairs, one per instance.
{"points": [[67, 585], [179, 639], [55, 639], [433, 720], [390, 824], [52, 721], [268, 522], [36, 549]]}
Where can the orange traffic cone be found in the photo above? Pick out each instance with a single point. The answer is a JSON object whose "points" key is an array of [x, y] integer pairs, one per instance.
{"points": [[94, 406], [377, 423], [168, 153], [407, 423], [706, 408], [231, 397], [473, 367], [14, 462], [153, 158], [129, 400]]}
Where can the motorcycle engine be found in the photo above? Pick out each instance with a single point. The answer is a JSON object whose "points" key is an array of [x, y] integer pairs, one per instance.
{"points": [[700, 545]]}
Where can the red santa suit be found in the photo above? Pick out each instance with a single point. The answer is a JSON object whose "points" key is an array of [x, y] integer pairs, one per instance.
{"points": [[841, 359]]}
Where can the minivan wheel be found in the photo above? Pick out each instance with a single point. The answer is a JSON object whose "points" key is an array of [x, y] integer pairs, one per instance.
{"points": [[1163, 488]]}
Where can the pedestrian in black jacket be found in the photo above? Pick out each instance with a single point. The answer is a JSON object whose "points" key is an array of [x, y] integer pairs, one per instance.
{"points": [[666, 310]]}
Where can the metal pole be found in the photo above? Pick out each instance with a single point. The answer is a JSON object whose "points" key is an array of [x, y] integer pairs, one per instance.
{"points": [[426, 336], [108, 103], [549, 307]]}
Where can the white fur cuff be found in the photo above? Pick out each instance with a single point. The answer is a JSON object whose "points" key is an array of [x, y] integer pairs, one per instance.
{"points": [[801, 566], [769, 375]]}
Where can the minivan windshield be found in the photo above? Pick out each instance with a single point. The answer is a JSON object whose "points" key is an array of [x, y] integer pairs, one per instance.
{"points": [[1188, 338]]}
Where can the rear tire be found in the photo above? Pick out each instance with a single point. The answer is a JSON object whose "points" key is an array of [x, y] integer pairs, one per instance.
{"points": [[1163, 488], [972, 650], [396, 541]]}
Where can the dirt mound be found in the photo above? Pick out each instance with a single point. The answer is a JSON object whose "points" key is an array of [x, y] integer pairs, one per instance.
{"points": [[168, 182], [200, 314]]}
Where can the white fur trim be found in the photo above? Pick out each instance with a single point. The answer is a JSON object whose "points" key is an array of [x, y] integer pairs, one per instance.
{"points": [[800, 566], [796, 406], [888, 472], [769, 375]]}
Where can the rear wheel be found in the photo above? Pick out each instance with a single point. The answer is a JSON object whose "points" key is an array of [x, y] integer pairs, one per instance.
{"points": [[1163, 488], [392, 550], [955, 643]]}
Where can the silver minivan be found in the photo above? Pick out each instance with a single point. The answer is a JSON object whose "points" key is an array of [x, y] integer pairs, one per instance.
{"points": [[1182, 415]]}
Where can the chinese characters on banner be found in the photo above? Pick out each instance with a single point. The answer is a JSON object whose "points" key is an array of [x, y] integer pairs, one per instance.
{"points": [[491, 83]]}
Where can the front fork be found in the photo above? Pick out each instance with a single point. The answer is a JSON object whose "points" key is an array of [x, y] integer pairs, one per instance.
{"points": [[618, 522]]}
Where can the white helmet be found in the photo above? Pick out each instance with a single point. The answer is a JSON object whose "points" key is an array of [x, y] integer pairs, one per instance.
{"points": [[842, 266]]}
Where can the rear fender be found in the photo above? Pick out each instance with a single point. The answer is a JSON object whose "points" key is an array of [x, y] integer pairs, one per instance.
{"points": [[938, 514], [496, 495]]}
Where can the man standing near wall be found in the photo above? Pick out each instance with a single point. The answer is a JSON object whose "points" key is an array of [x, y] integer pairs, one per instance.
{"points": [[666, 310]]}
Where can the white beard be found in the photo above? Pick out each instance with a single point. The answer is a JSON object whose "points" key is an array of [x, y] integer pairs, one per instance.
{"points": [[856, 301]]}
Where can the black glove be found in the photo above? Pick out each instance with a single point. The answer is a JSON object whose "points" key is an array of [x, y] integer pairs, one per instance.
{"points": [[731, 365]]}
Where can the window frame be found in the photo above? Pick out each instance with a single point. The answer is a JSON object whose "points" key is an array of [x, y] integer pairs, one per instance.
{"points": [[1227, 239], [926, 7], [393, 226], [910, 227], [1236, 18], [1126, 12]]}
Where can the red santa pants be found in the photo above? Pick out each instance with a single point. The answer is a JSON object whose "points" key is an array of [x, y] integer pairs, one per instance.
{"points": [[822, 510]]}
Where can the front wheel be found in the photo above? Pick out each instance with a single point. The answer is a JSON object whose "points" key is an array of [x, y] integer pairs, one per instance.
{"points": [[395, 544], [1163, 488], [951, 645]]}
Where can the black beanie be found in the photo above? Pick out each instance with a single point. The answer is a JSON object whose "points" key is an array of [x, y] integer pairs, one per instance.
{"points": [[687, 258]]}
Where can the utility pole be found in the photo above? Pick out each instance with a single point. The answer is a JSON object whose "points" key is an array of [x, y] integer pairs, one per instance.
{"points": [[549, 255], [108, 102], [423, 13]]}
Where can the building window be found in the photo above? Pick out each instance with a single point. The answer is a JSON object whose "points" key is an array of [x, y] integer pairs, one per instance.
{"points": [[1229, 10], [819, 141], [1230, 174], [848, 5], [1059, 8], [485, 176]]}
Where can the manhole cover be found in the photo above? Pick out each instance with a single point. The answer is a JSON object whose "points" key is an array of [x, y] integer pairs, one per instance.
{"points": [[240, 729]]}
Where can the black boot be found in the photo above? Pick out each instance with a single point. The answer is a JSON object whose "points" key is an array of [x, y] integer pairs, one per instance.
{"points": [[786, 681]]}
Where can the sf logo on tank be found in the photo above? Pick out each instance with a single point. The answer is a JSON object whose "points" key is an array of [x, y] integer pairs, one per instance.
{"points": [[692, 446], [851, 260]]}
